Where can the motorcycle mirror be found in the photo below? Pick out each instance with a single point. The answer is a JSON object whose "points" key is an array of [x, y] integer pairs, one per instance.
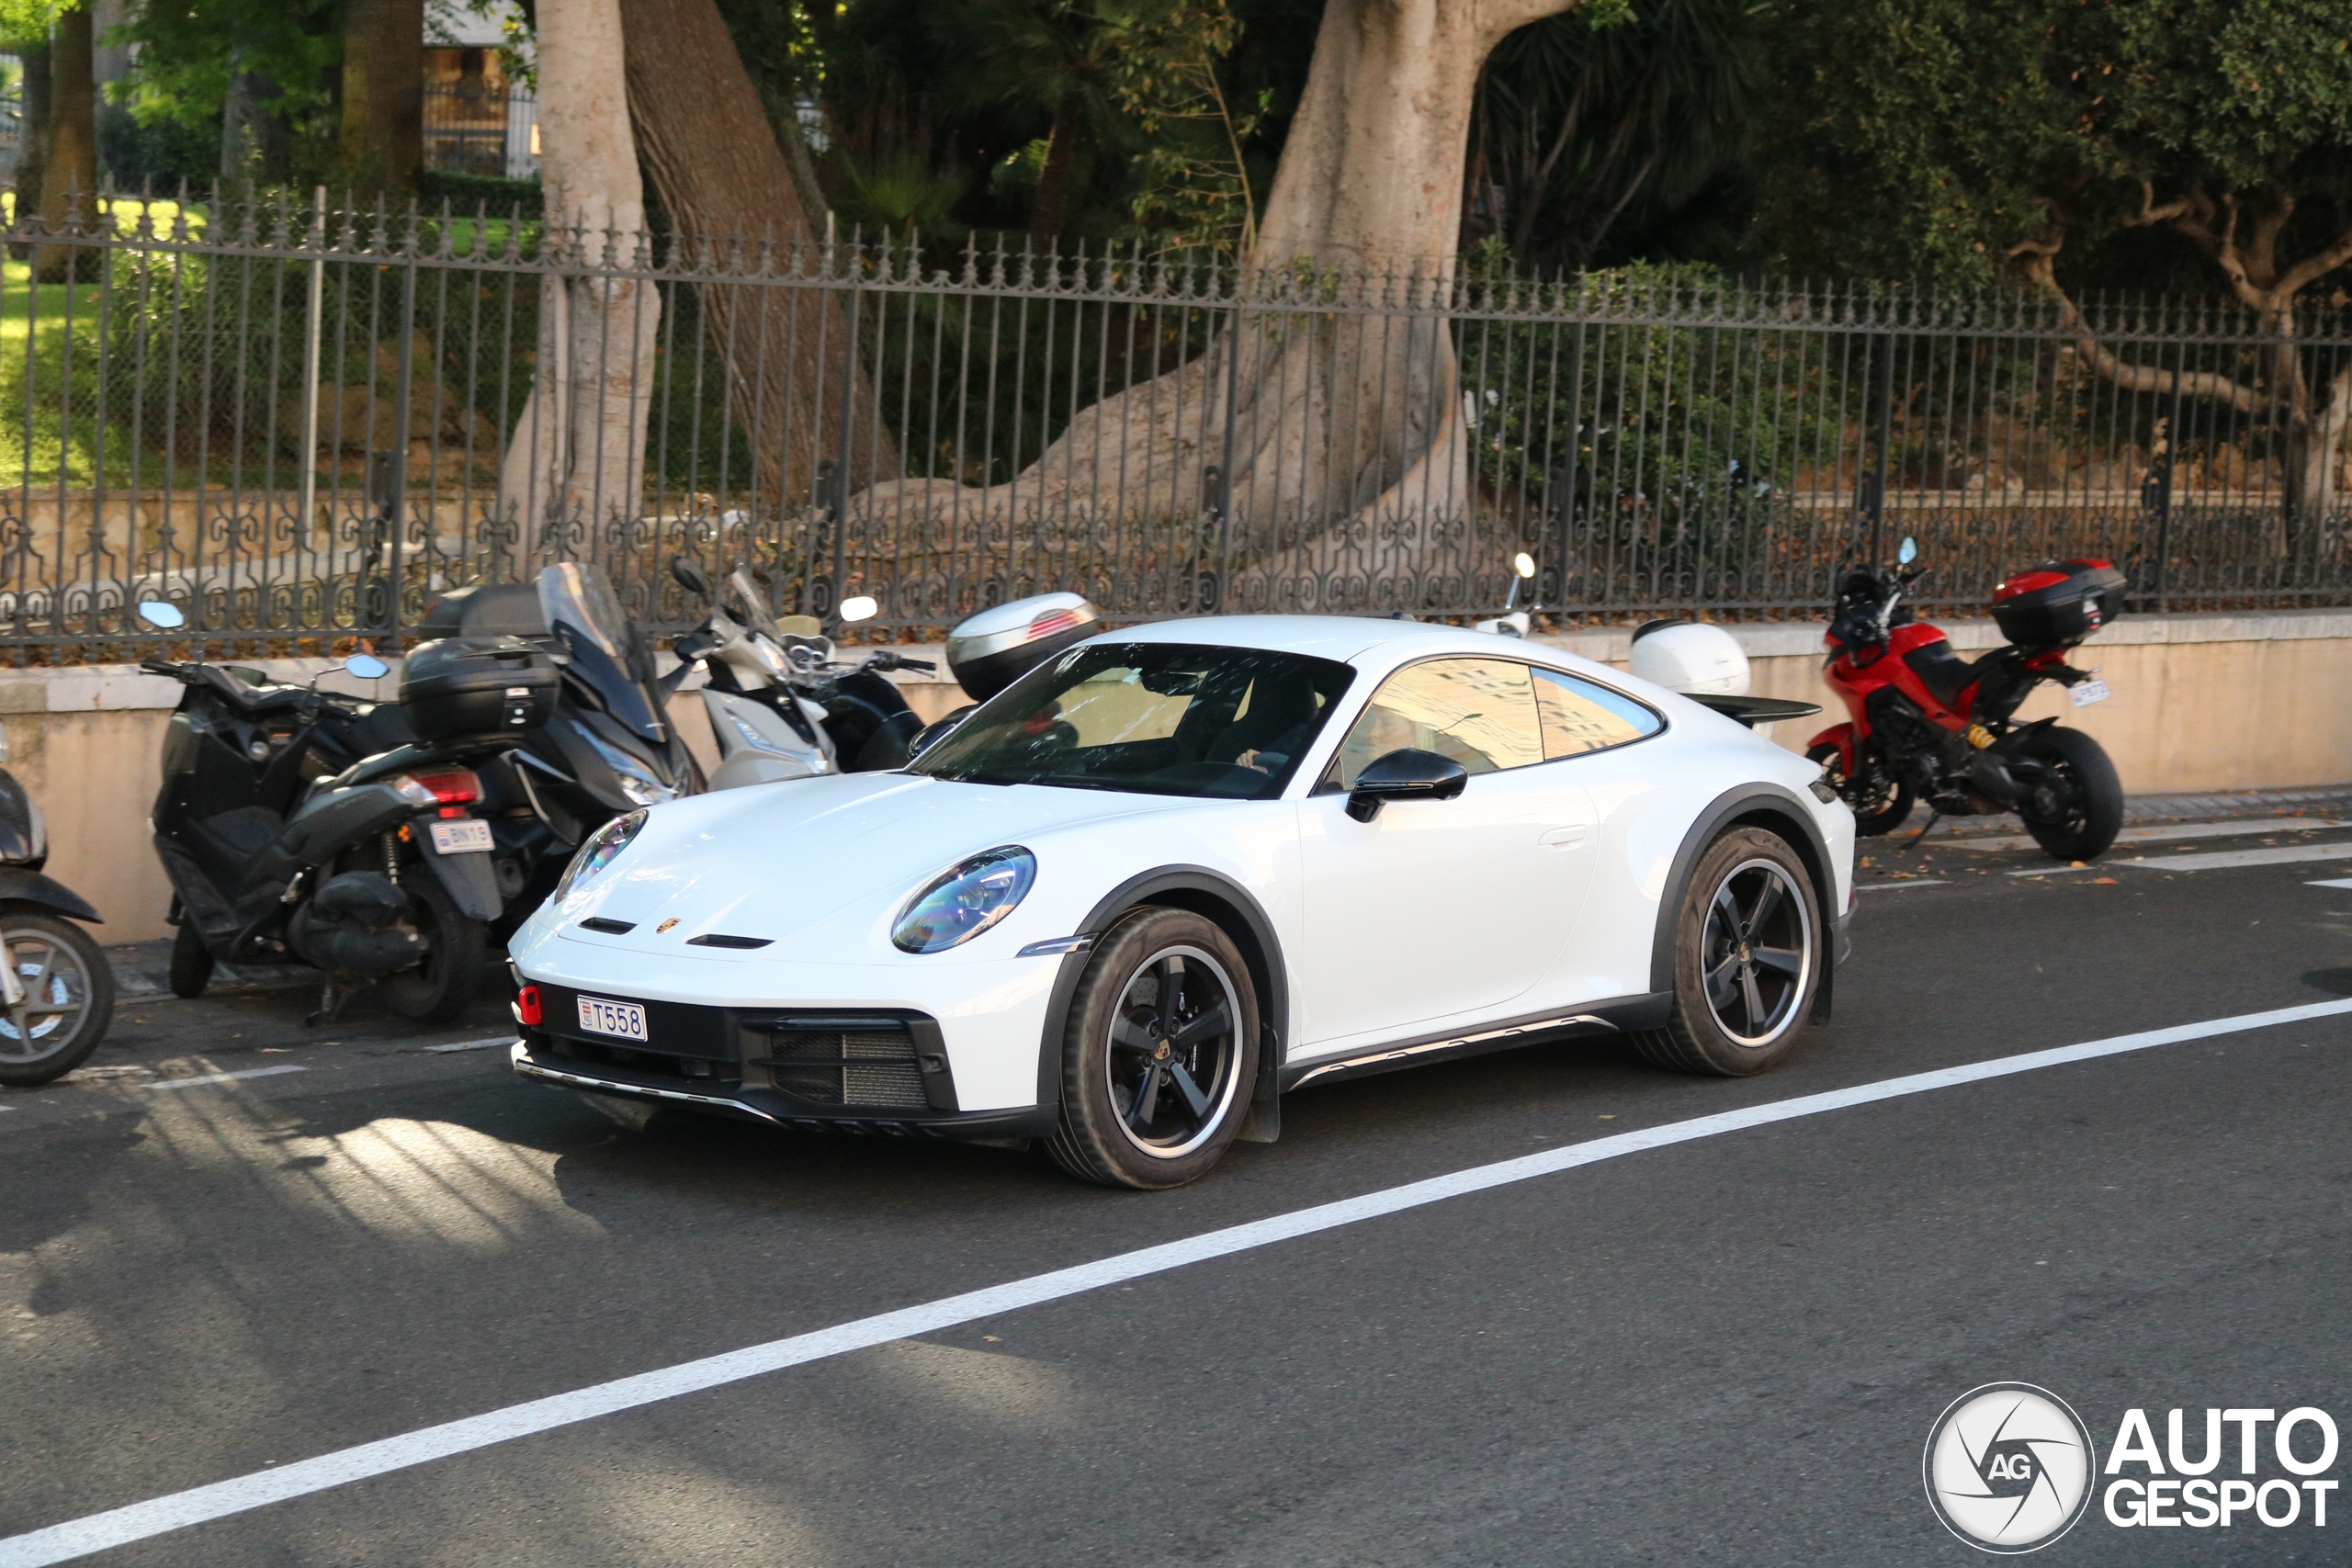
{"points": [[155, 612], [1523, 564], [367, 667], [1908, 553], [689, 576], [861, 608]]}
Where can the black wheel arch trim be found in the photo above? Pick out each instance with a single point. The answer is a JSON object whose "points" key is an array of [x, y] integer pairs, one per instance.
{"points": [[1263, 951], [1766, 804], [18, 885]]}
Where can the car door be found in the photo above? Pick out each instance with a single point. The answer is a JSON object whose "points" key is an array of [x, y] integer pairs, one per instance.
{"points": [[1438, 910], [1593, 732]]}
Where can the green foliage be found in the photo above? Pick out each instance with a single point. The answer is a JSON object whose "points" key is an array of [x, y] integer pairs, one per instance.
{"points": [[1196, 193]]}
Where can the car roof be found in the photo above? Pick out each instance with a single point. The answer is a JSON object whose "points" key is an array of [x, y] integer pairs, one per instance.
{"points": [[1347, 639]]}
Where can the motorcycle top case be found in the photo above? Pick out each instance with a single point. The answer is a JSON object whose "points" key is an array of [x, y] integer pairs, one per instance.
{"points": [[462, 688], [992, 649], [2058, 603]]}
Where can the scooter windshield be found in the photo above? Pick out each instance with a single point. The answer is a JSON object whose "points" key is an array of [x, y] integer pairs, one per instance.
{"points": [[582, 610], [750, 604]]}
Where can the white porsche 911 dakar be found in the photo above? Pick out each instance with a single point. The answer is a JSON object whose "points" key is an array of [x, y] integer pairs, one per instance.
{"points": [[1175, 872]]}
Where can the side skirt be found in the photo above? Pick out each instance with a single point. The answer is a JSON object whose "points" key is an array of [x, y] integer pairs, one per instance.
{"points": [[1615, 1016]]}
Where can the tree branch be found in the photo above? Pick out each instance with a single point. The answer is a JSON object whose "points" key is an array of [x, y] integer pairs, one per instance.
{"points": [[2311, 269]]}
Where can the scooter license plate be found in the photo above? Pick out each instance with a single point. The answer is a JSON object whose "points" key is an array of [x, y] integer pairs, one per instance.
{"points": [[460, 838], [2083, 693], [623, 1021]]}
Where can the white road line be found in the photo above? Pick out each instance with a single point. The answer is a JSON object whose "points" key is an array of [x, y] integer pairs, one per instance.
{"points": [[2222, 859], [2162, 833], [222, 1077], [1898, 886], [470, 1044], [139, 1521], [2339, 882]]}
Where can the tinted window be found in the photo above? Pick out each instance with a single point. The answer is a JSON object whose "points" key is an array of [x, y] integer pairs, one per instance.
{"points": [[1159, 719], [1480, 712], [1580, 717]]}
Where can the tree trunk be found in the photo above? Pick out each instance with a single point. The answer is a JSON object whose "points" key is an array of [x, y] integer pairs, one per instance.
{"points": [[381, 137], [39, 117], [69, 182], [731, 196], [1050, 211], [574, 466]]}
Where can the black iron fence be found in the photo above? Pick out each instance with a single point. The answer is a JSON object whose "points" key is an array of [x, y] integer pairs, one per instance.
{"points": [[304, 423]]}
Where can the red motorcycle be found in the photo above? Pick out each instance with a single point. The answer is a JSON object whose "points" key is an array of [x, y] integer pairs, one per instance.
{"points": [[1931, 726]]}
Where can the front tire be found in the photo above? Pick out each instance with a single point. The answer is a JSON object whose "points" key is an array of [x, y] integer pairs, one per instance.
{"points": [[1160, 1053], [1879, 801], [445, 982], [191, 968], [69, 998], [1750, 948], [2077, 808]]}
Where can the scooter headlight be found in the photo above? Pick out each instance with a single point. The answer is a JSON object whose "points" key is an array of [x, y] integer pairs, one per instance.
{"points": [[964, 900], [599, 850]]}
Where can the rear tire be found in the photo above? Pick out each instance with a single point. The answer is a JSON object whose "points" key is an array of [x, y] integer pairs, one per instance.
{"points": [[2077, 811], [1879, 803], [69, 998], [1160, 1053], [1750, 948], [191, 968], [440, 987]]}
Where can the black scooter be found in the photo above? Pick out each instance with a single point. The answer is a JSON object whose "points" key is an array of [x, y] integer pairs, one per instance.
{"points": [[374, 873], [56, 987]]}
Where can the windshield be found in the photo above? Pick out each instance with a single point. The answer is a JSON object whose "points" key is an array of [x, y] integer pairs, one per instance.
{"points": [[1155, 717], [750, 605], [577, 595]]}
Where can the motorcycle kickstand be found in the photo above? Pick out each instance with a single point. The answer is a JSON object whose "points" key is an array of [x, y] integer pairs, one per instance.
{"points": [[330, 1008], [1933, 818]]}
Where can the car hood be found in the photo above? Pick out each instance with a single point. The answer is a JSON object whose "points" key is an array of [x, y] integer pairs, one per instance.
{"points": [[815, 864]]}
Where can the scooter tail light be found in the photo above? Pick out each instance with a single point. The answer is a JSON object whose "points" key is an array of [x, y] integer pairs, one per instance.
{"points": [[527, 1011], [454, 787]]}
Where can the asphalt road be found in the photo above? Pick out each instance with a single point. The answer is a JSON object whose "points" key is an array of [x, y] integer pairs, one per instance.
{"points": [[1729, 1350]]}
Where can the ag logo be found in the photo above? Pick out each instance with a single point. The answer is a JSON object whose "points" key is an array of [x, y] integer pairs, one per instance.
{"points": [[2009, 1467]]}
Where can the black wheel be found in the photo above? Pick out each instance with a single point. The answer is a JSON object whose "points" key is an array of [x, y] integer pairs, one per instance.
{"points": [[2077, 807], [1160, 1055], [68, 998], [456, 956], [1748, 951], [1879, 799], [191, 968]]}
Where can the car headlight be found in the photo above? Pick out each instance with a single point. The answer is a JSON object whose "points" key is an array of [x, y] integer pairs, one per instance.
{"points": [[599, 850], [964, 900]]}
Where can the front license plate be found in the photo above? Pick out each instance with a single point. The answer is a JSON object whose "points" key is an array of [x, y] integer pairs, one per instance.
{"points": [[2084, 692], [623, 1021], [460, 838]]}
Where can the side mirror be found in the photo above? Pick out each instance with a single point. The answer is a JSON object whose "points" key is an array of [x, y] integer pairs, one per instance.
{"points": [[155, 612], [861, 608], [367, 667], [689, 576], [1908, 553], [1523, 564], [1406, 774]]}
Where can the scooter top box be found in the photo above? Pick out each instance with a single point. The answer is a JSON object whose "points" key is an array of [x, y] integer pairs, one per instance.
{"points": [[2058, 603], [461, 687]]}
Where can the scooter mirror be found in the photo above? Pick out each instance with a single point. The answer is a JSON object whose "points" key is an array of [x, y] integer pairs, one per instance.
{"points": [[367, 667], [861, 608], [155, 612], [690, 577], [1523, 564], [1908, 553]]}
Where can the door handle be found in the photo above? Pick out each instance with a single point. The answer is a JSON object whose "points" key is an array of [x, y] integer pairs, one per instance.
{"points": [[1562, 837]]}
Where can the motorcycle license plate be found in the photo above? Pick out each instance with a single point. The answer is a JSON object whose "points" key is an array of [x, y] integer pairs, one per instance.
{"points": [[2086, 693], [460, 838], [622, 1021]]}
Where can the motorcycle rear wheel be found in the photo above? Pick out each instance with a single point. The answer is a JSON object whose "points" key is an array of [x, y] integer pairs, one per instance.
{"points": [[440, 987], [1879, 807], [2077, 811]]}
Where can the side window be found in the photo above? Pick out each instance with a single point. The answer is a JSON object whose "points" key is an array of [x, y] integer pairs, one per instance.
{"points": [[1579, 717], [1480, 712]]}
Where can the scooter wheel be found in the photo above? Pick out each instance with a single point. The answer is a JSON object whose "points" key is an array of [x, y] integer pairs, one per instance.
{"points": [[191, 968], [445, 984], [69, 998], [1880, 804]]}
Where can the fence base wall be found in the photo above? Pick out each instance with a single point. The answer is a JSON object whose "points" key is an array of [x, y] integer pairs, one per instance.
{"points": [[2202, 703]]}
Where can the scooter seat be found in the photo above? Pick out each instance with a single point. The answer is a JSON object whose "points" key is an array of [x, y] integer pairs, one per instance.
{"points": [[1943, 671]]}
